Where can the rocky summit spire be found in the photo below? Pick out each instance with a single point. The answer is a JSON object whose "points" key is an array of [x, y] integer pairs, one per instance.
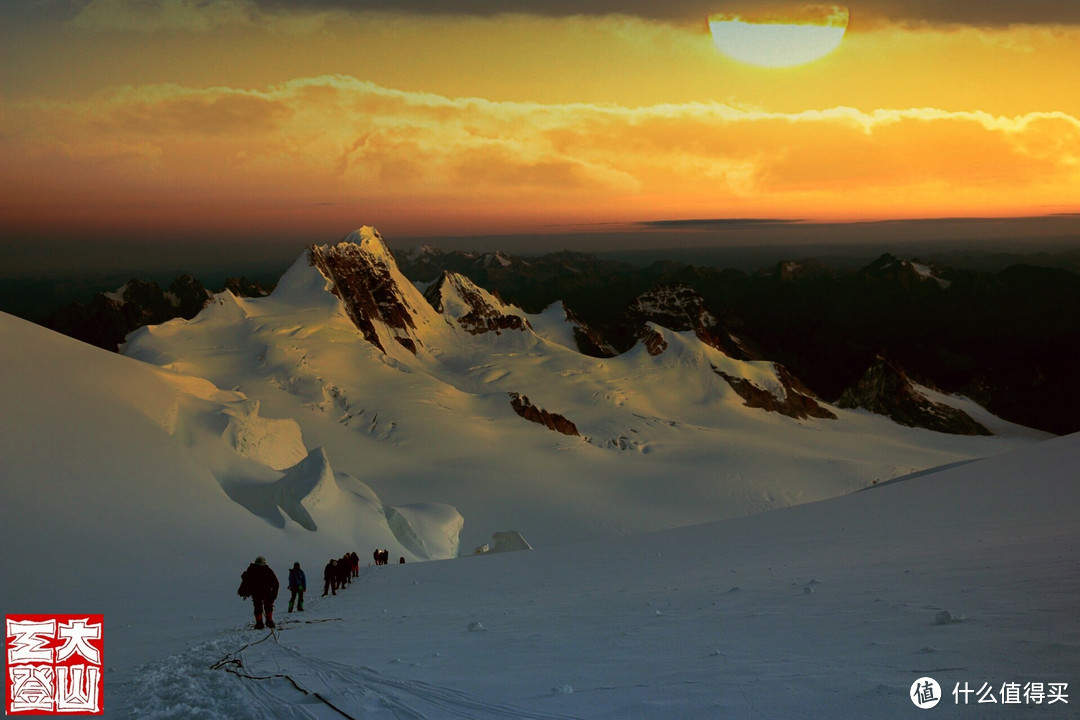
{"points": [[379, 300]]}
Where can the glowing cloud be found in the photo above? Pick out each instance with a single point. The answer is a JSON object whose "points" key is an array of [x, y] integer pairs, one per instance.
{"points": [[324, 149]]}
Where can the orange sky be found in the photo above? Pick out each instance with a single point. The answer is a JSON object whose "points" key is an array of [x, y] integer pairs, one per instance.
{"points": [[156, 117]]}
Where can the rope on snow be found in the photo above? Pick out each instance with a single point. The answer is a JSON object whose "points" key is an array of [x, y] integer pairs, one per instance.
{"points": [[233, 665]]}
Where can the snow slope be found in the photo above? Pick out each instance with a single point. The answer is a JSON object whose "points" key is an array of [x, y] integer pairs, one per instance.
{"points": [[121, 481], [826, 610]]}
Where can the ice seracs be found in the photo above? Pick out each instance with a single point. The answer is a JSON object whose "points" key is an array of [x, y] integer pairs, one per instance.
{"points": [[507, 541], [307, 486]]}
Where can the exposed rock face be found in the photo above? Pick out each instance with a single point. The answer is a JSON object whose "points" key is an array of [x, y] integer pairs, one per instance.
{"points": [[885, 389], [242, 287], [552, 421], [377, 297], [798, 402], [589, 340], [474, 309], [654, 341], [187, 295], [681, 308]]}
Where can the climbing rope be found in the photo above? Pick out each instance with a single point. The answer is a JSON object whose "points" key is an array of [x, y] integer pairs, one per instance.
{"points": [[235, 665]]}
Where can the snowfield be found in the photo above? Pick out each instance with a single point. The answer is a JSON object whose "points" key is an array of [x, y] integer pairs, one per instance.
{"points": [[824, 610], [694, 557]]}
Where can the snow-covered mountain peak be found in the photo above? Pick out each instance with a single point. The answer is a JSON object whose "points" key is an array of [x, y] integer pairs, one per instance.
{"points": [[370, 241], [497, 258], [474, 309], [681, 308], [427, 425], [305, 285]]}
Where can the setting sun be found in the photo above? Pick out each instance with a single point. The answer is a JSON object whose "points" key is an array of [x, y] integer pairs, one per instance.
{"points": [[780, 41], [144, 118]]}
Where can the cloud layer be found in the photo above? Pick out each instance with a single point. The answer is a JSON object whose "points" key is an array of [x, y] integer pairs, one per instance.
{"points": [[430, 161], [980, 13]]}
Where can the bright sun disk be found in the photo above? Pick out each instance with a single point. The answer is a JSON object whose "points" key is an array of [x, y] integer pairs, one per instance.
{"points": [[781, 42]]}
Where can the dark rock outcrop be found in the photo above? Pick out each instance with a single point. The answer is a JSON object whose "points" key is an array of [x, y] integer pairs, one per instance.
{"points": [[681, 308], [589, 341], [242, 287], [363, 274], [654, 341], [552, 421], [885, 389], [471, 307], [788, 271], [903, 273], [798, 402]]}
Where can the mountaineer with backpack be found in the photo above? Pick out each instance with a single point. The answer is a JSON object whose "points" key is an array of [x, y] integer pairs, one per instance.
{"points": [[260, 584], [297, 586]]}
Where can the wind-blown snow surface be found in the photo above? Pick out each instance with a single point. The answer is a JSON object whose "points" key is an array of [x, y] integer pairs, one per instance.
{"points": [[141, 493], [826, 610]]}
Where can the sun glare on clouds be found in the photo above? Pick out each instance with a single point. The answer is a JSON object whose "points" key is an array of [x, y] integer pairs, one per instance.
{"points": [[780, 41], [241, 115]]}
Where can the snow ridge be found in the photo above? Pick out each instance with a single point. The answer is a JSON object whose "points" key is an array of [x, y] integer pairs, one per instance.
{"points": [[308, 485], [474, 309]]}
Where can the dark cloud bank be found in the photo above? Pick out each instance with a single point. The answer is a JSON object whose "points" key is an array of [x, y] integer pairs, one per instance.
{"points": [[987, 13]]}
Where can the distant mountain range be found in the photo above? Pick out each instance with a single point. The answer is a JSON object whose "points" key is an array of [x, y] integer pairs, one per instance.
{"points": [[109, 316], [882, 338], [1009, 340]]}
